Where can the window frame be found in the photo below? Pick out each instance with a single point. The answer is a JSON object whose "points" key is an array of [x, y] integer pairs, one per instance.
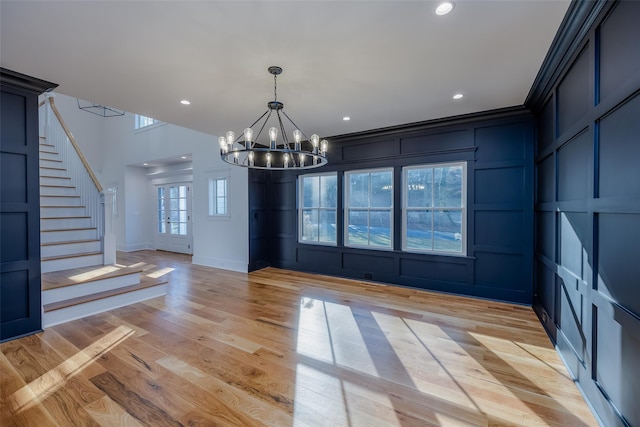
{"points": [[347, 209], [463, 209], [138, 118], [212, 197], [301, 208]]}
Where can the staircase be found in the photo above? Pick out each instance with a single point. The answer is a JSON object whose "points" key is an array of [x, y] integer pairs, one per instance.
{"points": [[75, 281], [67, 237]]}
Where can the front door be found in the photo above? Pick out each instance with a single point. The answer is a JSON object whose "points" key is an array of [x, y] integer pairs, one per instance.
{"points": [[173, 218]]}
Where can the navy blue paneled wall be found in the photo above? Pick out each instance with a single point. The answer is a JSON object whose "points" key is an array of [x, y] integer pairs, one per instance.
{"points": [[498, 147], [587, 210]]}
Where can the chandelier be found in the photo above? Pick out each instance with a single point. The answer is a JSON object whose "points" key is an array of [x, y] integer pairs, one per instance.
{"points": [[277, 152]]}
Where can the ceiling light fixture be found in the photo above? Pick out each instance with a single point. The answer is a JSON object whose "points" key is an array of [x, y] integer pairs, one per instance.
{"points": [[346, 118], [444, 8], [183, 157], [301, 153], [458, 96], [185, 102]]}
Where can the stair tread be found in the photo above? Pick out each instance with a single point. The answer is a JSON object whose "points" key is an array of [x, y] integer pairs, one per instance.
{"points": [[53, 169], [68, 229], [56, 257], [57, 186], [56, 195], [76, 276], [51, 160], [69, 242], [101, 295]]}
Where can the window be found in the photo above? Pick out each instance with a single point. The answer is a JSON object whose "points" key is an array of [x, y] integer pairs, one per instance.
{"points": [[434, 212], [218, 197], [143, 121], [317, 208], [369, 208]]}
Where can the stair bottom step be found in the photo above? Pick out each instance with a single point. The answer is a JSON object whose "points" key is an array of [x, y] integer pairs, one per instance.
{"points": [[77, 308]]}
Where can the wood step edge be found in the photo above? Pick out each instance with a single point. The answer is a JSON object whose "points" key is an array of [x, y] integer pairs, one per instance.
{"points": [[69, 242], [53, 280], [62, 206], [58, 195], [52, 169], [48, 152], [98, 296], [64, 217], [59, 177], [68, 229], [58, 257], [56, 186], [51, 160]]}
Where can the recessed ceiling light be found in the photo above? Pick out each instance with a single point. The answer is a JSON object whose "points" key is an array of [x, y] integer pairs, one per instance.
{"points": [[185, 102], [346, 118], [444, 8], [458, 96], [145, 164], [183, 157]]}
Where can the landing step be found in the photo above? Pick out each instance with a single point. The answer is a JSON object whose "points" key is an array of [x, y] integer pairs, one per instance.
{"points": [[65, 311], [57, 257], [74, 276]]}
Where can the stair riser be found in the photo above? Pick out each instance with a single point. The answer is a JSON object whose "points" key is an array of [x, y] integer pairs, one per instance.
{"points": [[45, 172], [83, 289], [70, 249], [67, 235], [59, 201], [64, 223], [69, 263], [50, 163], [57, 191], [63, 315], [62, 212], [46, 155]]}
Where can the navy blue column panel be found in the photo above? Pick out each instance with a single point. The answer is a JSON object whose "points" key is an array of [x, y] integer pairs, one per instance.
{"points": [[20, 307], [498, 148], [587, 211]]}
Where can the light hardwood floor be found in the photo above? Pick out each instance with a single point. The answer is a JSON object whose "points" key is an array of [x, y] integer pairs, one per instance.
{"points": [[282, 348]]}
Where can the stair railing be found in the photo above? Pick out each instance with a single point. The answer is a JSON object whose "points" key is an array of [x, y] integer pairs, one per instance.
{"points": [[82, 177]]}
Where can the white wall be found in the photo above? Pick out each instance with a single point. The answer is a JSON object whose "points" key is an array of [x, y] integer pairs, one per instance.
{"points": [[116, 154]]}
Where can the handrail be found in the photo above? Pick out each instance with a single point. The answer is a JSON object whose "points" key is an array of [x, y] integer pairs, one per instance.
{"points": [[75, 144]]}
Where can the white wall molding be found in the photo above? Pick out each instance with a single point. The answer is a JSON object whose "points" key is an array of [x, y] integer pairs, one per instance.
{"points": [[224, 264]]}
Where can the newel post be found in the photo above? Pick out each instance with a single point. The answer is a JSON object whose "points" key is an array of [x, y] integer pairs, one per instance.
{"points": [[109, 239]]}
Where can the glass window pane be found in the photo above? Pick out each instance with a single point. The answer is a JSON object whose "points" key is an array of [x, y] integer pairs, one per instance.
{"points": [[182, 205], [380, 228], [161, 227], [381, 189], [221, 206], [183, 228], [419, 186], [175, 228], [358, 228], [447, 186], [221, 187], [358, 190], [327, 225], [174, 216], [311, 191], [173, 203], [418, 231], [328, 191], [447, 231], [173, 192], [183, 191], [310, 230]]}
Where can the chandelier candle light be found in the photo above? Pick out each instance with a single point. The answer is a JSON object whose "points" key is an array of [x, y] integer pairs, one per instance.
{"points": [[278, 154]]}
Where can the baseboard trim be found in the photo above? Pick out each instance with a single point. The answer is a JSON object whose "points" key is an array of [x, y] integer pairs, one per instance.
{"points": [[224, 264]]}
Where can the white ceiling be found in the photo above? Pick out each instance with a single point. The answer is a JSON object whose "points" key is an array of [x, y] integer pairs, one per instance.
{"points": [[383, 63]]}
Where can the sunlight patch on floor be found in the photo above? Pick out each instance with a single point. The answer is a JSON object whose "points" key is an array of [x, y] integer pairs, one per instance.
{"points": [[48, 383], [159, 273]]}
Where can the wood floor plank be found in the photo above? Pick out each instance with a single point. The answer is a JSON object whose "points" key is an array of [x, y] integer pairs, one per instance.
{"points": [[283, 348]]}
